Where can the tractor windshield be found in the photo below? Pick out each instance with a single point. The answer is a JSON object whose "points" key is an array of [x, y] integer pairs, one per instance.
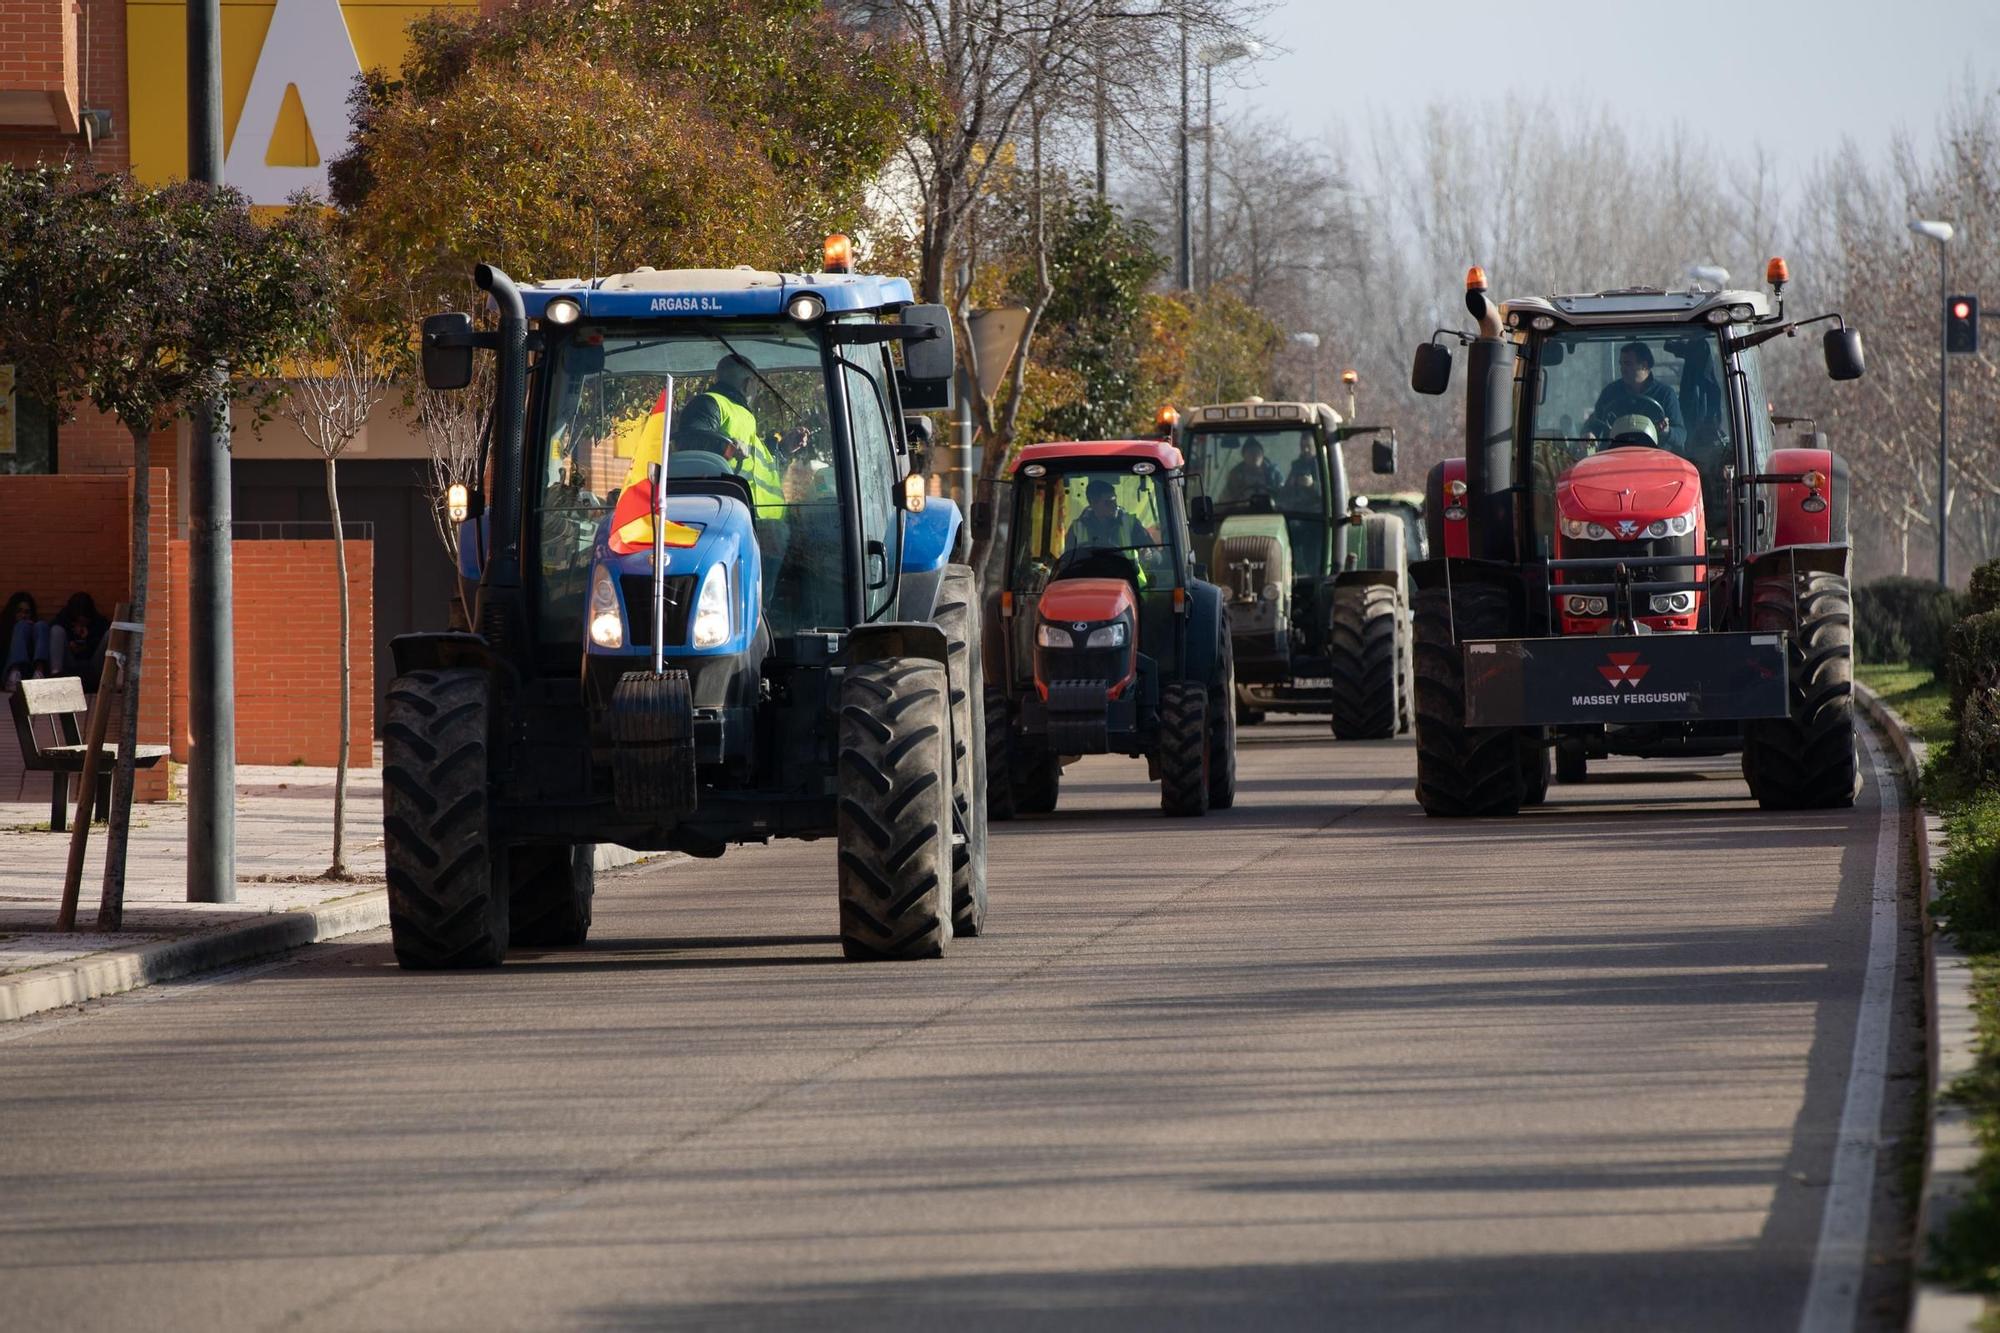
{"points": [[1659, 387], [750, 403], [1273, 470], [1068, 517]]}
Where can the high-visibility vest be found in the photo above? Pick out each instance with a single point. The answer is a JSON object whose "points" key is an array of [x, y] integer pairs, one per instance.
{"points": [[753, 460]]}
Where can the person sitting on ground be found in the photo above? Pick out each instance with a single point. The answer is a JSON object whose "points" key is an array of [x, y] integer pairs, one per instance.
{"points": [[77, 640], [27, 640], [1252, 474]]}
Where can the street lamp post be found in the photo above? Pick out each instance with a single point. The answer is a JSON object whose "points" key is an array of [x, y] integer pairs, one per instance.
{"points": [[1220, 53], [1309, 341], [1941, 232], [1184, 261]]}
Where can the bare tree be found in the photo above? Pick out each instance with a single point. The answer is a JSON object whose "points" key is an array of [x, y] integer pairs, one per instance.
{"points": [[347, 375], [453, 425]]}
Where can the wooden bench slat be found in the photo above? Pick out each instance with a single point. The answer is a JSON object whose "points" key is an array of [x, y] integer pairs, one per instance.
{"points": [[146, 754]]}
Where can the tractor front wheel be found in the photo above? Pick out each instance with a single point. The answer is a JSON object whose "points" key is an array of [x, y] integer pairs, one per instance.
{"points": [[1807, 761], [1461, 771], [1534, 768], [1039, 785], [1361, 657], [1572, 763], [1000, 802], [894, 816], [549, 893], [1222, 734], [1184, 751], [446, 908]]}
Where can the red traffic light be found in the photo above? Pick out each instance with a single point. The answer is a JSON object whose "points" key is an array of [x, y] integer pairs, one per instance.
{"points": [[1960, 309]]}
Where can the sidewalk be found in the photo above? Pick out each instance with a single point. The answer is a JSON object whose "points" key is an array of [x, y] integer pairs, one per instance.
{"points": [[284, 840]]}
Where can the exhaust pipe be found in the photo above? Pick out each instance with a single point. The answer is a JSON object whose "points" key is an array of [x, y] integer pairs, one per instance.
{"points": [[509, 421], [1489, 429]]}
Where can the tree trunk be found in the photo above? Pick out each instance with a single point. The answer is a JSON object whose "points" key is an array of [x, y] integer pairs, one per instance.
{"points": [[111, 910], [338, 870]]}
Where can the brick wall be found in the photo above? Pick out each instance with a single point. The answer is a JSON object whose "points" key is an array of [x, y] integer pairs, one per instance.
{"points": [[287, 652], [99, 31]]}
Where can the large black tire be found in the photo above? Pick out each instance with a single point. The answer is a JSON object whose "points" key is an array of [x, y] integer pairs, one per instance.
{"points": [[550, 891], [1222, 734], [1807, 761], [1361, 660], [446, 906], [958, 616], [1572, 763], [1000, 802], [1461, 771], [1037, 784], [1406, 671], [894, 816], [1184, 754], [1534, 767]]}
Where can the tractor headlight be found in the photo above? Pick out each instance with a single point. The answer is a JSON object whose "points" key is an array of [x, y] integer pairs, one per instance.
{"points": [[1050, 637], [1673, 603], [1582, 529], [711, 609], [1271, 591], [1105, 636], [1586, 606], [1678, 525], [607, 626], [562, 310]]}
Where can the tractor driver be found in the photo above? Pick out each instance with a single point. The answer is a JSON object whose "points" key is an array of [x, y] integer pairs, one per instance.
{"points": [[1103, 525], [1253, 473], [1636, 392], [720, 420]]}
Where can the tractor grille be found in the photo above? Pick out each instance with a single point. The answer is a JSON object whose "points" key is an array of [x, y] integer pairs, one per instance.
{"points": [[638, 590]]}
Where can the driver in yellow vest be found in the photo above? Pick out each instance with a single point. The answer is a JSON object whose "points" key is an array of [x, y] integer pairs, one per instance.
{"points": [[722, 415]]}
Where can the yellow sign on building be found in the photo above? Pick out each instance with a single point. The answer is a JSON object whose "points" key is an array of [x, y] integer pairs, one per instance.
{"points": [[288, 69]]}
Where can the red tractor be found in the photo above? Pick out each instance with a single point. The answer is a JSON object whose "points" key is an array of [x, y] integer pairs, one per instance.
{"points": [[1626, 561], [1099, 638]]}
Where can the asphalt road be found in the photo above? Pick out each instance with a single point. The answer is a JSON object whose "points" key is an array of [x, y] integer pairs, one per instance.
{"points": [[1313, 1062]]}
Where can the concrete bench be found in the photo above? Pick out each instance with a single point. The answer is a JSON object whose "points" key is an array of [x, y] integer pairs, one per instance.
{"points": [[59, 707]]}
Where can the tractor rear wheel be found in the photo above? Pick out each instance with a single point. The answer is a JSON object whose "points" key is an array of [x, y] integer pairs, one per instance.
{"points": [[999, 757], [1222, 734], [446, 907], [1038, 785], [1572, 763], [1807, 761], [893, 819], [549, 894], [958, 616], [1361, 659], [1461, 771], [1184, 752]]}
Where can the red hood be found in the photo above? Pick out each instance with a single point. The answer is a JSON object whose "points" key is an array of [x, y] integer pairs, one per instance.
{"points": [[1085, 599], [1633, 483]]}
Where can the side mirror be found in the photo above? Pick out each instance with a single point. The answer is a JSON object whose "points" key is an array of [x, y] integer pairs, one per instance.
{"points": [[1843, 354], [1384, 461], [1201, 514], [447, 350], [929, 363], [1553, 350], [982, 520], [1431, 372]]}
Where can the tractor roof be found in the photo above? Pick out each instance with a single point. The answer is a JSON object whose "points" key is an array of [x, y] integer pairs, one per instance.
{"points": [[648, 293], [1254, 412], [1638, 305], [1072, 451]]}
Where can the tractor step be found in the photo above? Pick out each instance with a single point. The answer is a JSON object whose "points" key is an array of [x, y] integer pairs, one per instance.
{"points": [[1617, 679]]}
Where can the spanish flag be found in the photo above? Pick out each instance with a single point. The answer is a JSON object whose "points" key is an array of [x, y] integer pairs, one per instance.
{"points": [[632, 516]]}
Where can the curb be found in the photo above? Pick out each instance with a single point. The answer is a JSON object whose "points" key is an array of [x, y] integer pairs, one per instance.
{"points": [[122, 970], [1950, 1151]]}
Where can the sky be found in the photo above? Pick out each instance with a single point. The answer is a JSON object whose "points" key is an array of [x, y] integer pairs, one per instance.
{"points": [[1797, 76]]}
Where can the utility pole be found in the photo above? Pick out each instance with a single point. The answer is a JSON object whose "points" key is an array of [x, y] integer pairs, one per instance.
{"points": [[1207, 172], [1184, 267], [211, 863], [1102, 111]]}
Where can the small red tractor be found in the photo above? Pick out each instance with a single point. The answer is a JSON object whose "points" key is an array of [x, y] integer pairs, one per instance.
{"points": [[1099, 638], [1627, 560]]}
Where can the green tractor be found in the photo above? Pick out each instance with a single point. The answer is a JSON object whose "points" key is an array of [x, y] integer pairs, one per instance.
{"points": [[1317, 583]]}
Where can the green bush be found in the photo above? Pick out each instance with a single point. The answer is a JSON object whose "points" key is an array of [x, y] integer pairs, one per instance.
{"points": [[1903, 620], [1982, 594], [1972, 658]]}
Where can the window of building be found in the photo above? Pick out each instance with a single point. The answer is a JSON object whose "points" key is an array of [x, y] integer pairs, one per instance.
{"points": [[27, 431]]}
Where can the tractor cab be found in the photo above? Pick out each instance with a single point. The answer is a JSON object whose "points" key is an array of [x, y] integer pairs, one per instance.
{"points": [[1103, 640]]}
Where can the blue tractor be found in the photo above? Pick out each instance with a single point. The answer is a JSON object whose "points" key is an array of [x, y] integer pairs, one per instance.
{"points": [[714, 605]]}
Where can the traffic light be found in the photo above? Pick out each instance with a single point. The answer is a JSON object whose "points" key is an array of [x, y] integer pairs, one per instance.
{"points": [[1961, 324]]}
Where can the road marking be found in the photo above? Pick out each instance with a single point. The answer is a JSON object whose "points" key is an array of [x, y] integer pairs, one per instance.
{"points": [[1833, 1293]]}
